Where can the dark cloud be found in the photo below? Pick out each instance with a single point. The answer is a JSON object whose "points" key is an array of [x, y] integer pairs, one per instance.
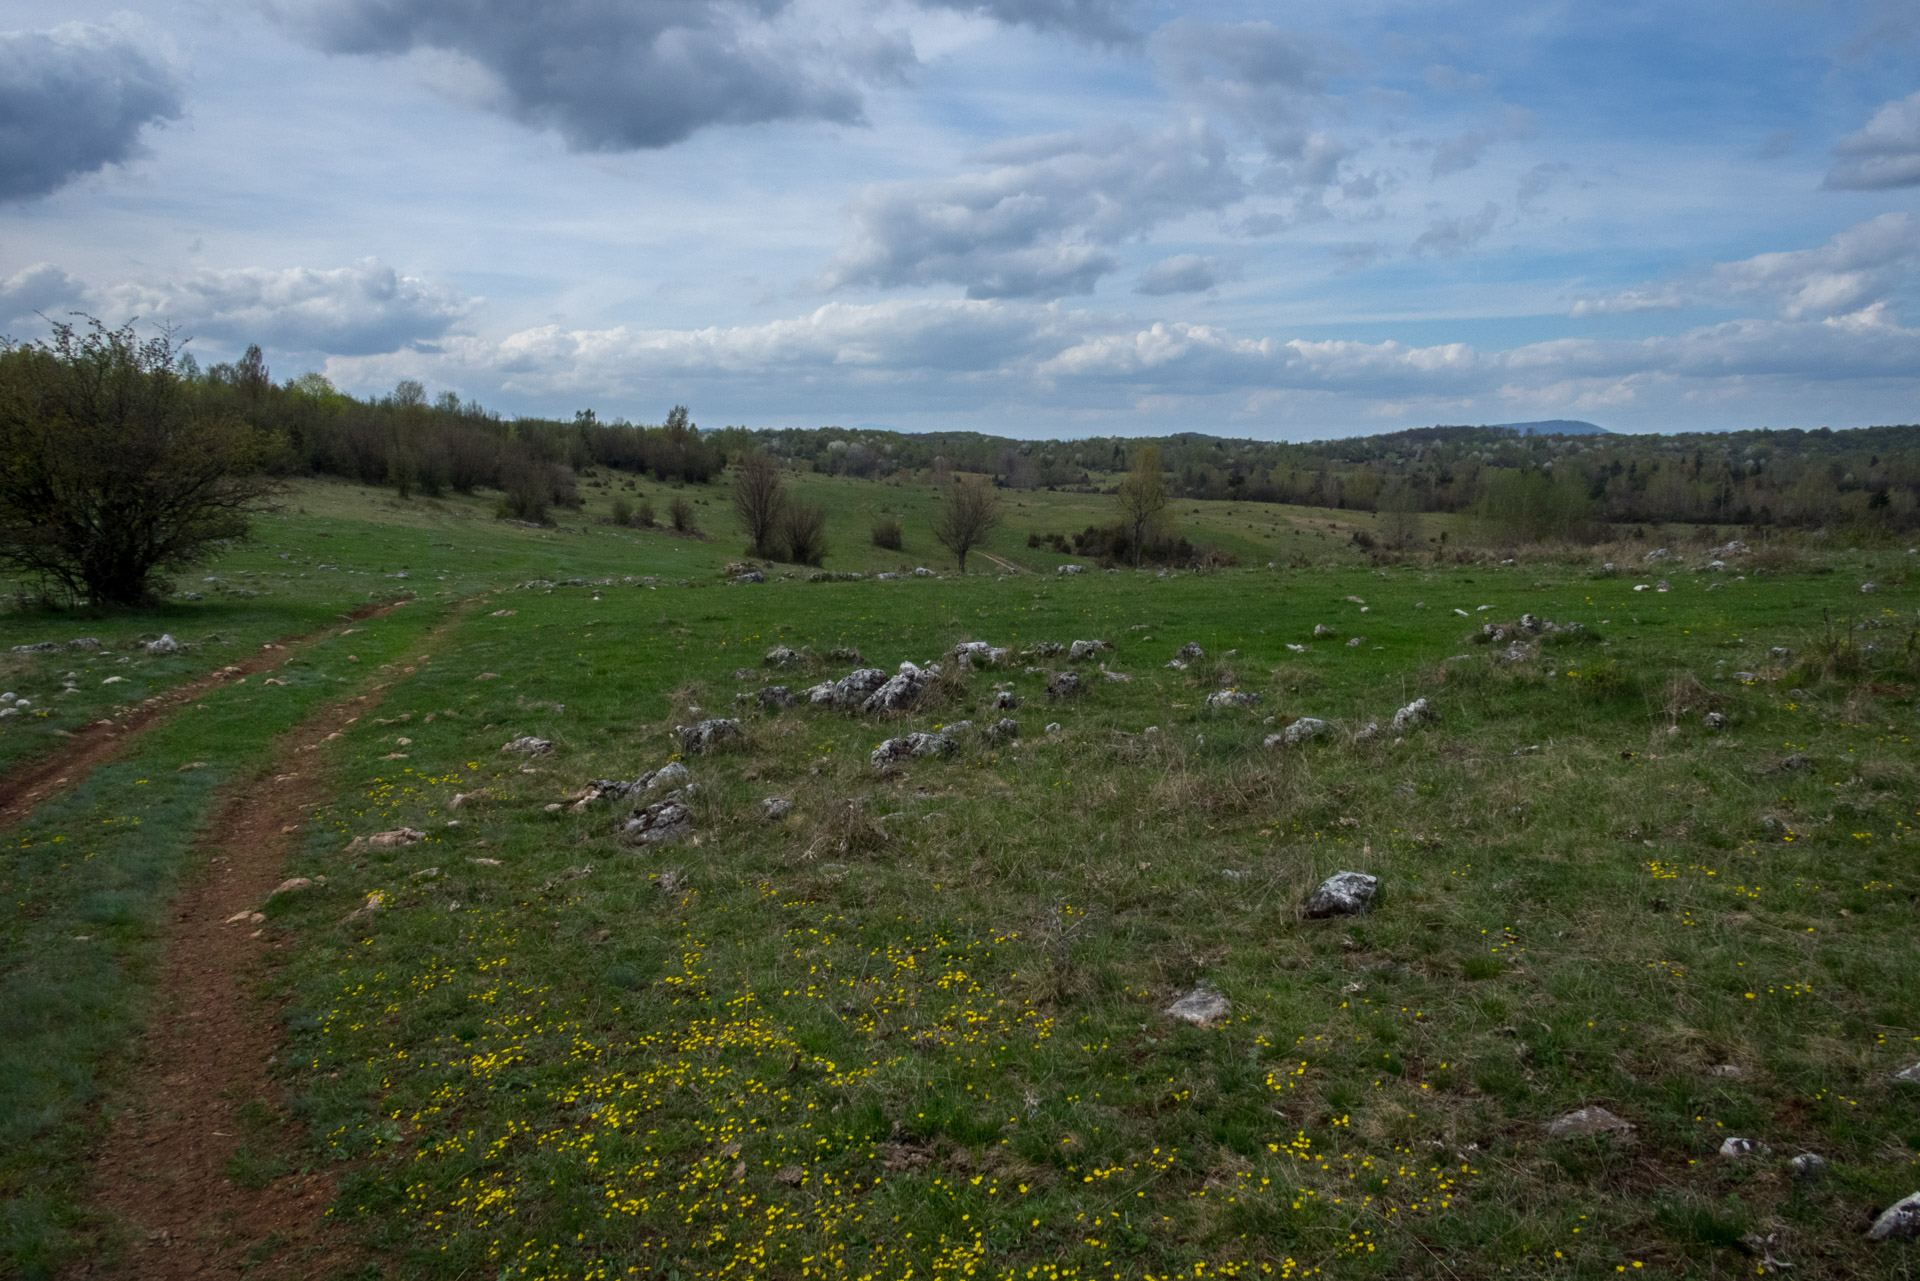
{"points": [[1883, 155], [1038, 226], [1449, 236], [621, 75], [73, 100], [1186, 274], [1095, 20], [41, 290]]}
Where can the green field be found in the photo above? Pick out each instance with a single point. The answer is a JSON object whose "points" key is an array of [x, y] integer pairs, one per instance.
{"points": [[917, 1026]]}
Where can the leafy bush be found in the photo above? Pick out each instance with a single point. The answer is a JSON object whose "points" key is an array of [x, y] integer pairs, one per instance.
{"points": [[680, 512], [887, 532]]}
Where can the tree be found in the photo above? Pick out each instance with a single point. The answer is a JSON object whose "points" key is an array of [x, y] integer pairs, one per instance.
{"points": [[758, 497], [969, 514], [112, 470], [1143, 498], [803, 529]]}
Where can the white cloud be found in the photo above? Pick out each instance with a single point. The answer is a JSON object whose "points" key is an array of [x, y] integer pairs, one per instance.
{"points": [[1885, 154], [1186, 274], [360, 310], [1039, 225], [74, 99], [1449, 236]]}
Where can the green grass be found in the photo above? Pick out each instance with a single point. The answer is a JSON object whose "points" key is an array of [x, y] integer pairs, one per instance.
{"points": [[919, 1024]]}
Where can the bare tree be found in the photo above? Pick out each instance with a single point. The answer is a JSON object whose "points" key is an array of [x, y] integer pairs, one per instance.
{"points": [[1143, 499], [969, 514], [758, 497]]}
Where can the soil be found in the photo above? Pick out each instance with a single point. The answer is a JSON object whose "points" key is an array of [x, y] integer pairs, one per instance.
{"points": [[31, 782], [201, 1084]]}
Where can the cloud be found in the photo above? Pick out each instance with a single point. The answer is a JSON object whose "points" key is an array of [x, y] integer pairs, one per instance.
{"points": [[1883, 155], [1452, 155], [1358, 254], [620, 75], [1626, 302], [1449, 236], [366, 309], [1269, 82], [1537, 181], [73, 100], [1038, 225], [1186, 274], [1859, 267], [1096, 20]]}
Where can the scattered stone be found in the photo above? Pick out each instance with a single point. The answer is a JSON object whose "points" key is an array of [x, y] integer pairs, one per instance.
{"points": [[1004, 728], [1356, 641], [85, 642], [744, 674], [1064, 685], [1415, 713], [751, 576], [191, 765], [40, 647], [1518, 652], [1200, 1007], [528, 745], [1732, 547], [671, 882], [1321, 629], [914, 746], [1737, 1149], [701, 738], [1343, 894], [1307, 727], [1725, 1069], [845, 654], [1178, 665], [1797, 762], [656, 824], [1808, 1166], [485, 862], [849, 691], [775, 808], [1071, 569], [1368, 732], [968, 652], [375, 901], [781, 656], [290, 885], [1901, 1219], [774, 697], [1232, 698], [1053, 727], [1118, 678], [1355, 600], [1043, 649], [165, 645], [1006, 701], [1081, 650], [1190, 652], [1868, 589], [1657, 554], [1715, 721], [1588, 1120], [899, 692], [427, 874], [1779, 653], [1746, 678], [1911, 1074], [390, 840]]}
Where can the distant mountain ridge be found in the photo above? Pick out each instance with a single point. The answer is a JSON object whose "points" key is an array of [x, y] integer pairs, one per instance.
{"points": [[1554, 427]]}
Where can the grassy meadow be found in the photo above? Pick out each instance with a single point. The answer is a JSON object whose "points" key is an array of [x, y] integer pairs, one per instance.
{"points": [[917, 1026]]}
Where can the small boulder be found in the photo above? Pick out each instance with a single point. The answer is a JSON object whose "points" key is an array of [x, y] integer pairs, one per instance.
{"points": [[751, 576], [1780, 653], [850, 691], [1901, 1219], [1343, 894], [1064, 685], [1202, 1007], [1715, 721], [697, 740], [528, 745], [1303, 729], [1004, 728], [85, 642], [1415, 713], [1232, 698], [1911, 1074], [781, 656], [658, 823], [1006, 701], [1736, 1149], [39, 647], [899, 692], [914, 746], [397, 838], [672, 774], [775, 808], [845, 654], [1190, 652], [1071, 569], [1797, 763], [1868, 589], [165, 645], [1591, 1119], [774, 697], [1321, 629], [291, 885], [1808, 1166], [1354, 642], [1081, 650]]}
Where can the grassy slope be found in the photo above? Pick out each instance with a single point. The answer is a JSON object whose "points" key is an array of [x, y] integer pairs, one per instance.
{"points": [[821, 1042], [1009, 947]]}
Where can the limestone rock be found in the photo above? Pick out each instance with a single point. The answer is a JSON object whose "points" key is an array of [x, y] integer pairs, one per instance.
{"points": [[845, 654], [1190, 652], [528, 745], [1071, 569], [1415, 713], [697, 740], [1736, 1148], [165, 645], [291, 885], [1901, 1219], [1004, 728], [1715, 721], [782, 656], [656, 824], [849, 691], [1307, 727], [1065, 685], [1232, 698], [1911, 1074], [914, 746], [1343, 894], [1082, 650], [1591, 1119], [397, 838], [1321, 629], [1202, 1007], [1006, 701], [774, 697], [899, 692], [775, 808], [1808, 1166], [751, 576]]}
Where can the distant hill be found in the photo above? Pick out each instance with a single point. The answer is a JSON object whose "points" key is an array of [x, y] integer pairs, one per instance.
{"points": [[1555, 427]]}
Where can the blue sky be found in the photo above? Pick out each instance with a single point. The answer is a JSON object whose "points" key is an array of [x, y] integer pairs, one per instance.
{"points": [[1033, 217]]}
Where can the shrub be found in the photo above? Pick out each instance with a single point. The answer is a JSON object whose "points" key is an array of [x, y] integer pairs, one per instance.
{"points": [[644, 516], [622, 512], [803, 528], [887, 532], [680, 512]]}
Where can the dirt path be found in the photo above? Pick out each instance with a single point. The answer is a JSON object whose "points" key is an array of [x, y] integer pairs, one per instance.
{"points": [[31, 782], [202, 1105], [1003, 563]]}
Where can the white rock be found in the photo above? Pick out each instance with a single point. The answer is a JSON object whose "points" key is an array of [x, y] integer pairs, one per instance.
{"points": [[1588, 1120], [1735, 1148], [1201, 1007], [528, 745], [1901, 1219], [1343, 894], [1232, 698], [1415, 713]]}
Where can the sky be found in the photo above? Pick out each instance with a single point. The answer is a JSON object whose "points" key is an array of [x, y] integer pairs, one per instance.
{"points": [[1036, 218]]}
